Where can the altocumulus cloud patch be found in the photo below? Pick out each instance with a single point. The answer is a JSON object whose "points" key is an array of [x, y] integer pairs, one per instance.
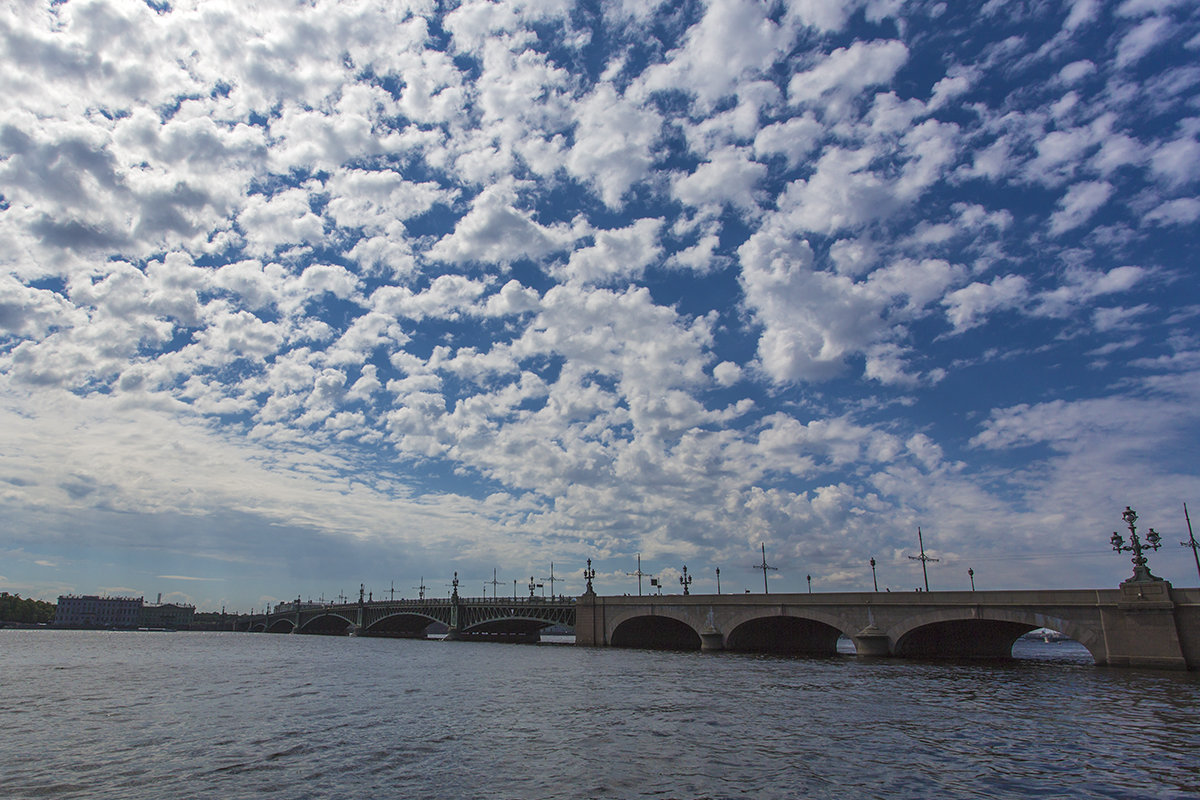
{"points": [[377, 291]]}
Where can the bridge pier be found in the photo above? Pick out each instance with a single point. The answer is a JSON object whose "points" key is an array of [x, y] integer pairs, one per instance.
{"points": [[1144, 628], [871, 642], [711, 640]]}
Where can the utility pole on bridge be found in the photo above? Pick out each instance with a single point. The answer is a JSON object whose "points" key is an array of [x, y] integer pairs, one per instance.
{"points": [[552, 579], [494, 584], [764, 567], [924, 559], [421, 589], [1191, 542], [639, 574]]}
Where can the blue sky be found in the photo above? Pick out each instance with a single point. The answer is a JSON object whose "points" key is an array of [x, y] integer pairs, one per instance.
{"points": [[297, 296]]}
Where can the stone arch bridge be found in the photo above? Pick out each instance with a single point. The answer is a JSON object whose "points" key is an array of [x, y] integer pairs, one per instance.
{"points": [[493, 619], [1137, 625]]}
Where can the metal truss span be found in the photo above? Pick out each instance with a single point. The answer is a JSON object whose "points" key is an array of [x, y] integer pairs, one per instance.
{"points": [[464, 617]]}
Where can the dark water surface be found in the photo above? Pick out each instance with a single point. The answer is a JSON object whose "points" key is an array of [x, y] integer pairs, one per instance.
{"points": [[231, 715]]}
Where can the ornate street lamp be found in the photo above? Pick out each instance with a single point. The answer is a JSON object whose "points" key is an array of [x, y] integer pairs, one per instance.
{"points": [[1141, 573], [971, 575], [718, 580], [809, 577], [874, 580], [588, 574], [685, 580]]}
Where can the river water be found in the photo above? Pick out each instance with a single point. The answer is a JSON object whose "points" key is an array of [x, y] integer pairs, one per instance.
{"points": [[92, 714]]}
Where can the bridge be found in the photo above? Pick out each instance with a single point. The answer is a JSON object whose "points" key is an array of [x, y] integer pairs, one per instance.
{"points": [[480, 618], [1141, 624]]}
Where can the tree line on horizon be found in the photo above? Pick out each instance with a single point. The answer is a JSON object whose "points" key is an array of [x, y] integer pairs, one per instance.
{"points": [[14, 608]]}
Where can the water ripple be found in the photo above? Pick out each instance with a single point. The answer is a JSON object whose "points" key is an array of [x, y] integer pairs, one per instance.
{"points": [[231, 716]]}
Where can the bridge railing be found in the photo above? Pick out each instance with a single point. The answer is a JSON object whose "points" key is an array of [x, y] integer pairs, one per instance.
{"points": [[429, 601]]}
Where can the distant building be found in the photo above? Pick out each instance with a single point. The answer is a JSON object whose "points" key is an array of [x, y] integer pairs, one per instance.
{"points": [[90, 611], [168, 615]]}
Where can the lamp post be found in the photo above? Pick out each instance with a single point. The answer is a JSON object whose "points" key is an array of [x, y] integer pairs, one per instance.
{"points": [[685, 580], [809, 578], [1141, 573], [874, 580], [588, 574], [718, 580], [971, 575]]}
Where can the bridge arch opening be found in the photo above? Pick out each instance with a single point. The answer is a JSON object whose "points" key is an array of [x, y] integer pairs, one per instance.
{"points": [[962, 639], [403, 626], [327, 625], [655, 633], [784, 635]]}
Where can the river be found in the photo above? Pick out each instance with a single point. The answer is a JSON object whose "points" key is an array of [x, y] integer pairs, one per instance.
{"points": [[91, 714]]}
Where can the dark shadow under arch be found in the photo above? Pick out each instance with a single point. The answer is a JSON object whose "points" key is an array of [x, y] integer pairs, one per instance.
{"points": [[790, 635], [327, 625], [408, 626], [963, 638], [656, 633]]}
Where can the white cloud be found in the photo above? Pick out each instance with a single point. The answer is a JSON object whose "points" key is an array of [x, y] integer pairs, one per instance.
{"points": [[1082, 13], [283, 220], [967, 307], [493, 230], [1181, 211], [1138, 8], [729, 176], [1141, 40], [1177, 161], [1076, 70], [849, 70], [842, 193], [1079, 204], [733, 33], [617, 254], [613, 142], [1082, 285], [727, 373], [795, 138]]}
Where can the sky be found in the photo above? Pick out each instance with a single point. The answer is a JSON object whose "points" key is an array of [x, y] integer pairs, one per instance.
{"points": [[298, 296]]}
